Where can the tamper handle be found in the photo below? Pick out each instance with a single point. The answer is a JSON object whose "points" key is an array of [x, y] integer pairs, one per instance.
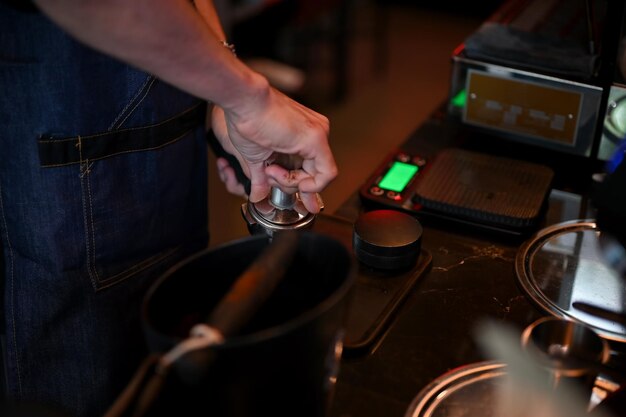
{"points": [[280, 210]]}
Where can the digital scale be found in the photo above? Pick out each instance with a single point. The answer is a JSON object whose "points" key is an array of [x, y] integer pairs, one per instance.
{"points": [[482, 190]]}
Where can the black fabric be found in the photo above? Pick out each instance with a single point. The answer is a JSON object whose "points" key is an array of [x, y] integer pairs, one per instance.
{"points": [[22, 5], [73, 150], [505, 45]]}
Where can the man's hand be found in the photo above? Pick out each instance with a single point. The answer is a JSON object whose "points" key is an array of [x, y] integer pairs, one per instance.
{"points": [[275, 123], [229, 178]]}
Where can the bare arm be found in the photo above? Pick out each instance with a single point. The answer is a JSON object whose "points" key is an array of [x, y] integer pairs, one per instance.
{"points": [[181, 43]]}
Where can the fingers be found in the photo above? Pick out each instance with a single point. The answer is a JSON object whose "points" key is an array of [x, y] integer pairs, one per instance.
{"points": [[322, 171], [286, 179], [308, 179], [259, 185], [229, 178], [292, 181], [312, 202]]}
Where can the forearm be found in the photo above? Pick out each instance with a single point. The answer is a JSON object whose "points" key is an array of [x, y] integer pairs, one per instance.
{"points": [[168, 38]]}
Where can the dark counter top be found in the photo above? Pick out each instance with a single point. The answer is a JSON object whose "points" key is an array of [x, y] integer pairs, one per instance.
{"points": [[471, 278]]}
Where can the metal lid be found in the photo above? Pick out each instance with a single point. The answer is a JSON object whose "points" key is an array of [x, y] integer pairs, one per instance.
{"points": [[562, 265], [476, 389], [466, 391]]}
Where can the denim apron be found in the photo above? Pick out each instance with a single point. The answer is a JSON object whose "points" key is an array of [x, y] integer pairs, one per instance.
{"points": [[102, 188]]}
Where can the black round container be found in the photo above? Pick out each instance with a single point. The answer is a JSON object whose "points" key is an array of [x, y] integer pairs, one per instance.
{"points": [[387, 239], [286, 360]]}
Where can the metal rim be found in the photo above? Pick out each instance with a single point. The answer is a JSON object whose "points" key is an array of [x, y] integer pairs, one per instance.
{"points": [[301, 221], [523, 262], [438, 390]]}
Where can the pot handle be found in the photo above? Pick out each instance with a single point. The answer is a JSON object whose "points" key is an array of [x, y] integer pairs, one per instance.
{"points": [[190, 357], [141, 391], [255, 285]]}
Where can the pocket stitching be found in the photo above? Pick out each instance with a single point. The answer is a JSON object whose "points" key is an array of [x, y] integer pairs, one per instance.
{"points": [[10, 283], [92, 270], [89, 227], [136, 268], [145, 89]]}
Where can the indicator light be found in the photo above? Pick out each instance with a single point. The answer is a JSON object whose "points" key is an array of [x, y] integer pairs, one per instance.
{"points": [[398, 176], [460, 99]]}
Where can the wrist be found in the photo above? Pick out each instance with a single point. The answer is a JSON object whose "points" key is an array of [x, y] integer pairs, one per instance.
{"points": [[229, 46], [247, 89], [253, 95]]}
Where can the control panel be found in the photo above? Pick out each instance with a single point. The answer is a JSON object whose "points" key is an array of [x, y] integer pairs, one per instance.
{"points": [[393, 183]]}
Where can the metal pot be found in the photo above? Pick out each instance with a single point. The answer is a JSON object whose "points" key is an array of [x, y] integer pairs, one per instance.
{"points": [[285, 360]]}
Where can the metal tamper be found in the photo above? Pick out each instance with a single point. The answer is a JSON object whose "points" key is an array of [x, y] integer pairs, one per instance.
{"points": [[280, 210]]}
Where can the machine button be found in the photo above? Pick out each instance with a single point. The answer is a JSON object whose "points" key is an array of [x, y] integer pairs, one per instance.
{"points": [[419, 161], [394, 196], [377, 191], [402, 157]]}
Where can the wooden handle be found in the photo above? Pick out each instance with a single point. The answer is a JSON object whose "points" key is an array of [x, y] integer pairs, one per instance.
{"points": [[255, 285]]}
